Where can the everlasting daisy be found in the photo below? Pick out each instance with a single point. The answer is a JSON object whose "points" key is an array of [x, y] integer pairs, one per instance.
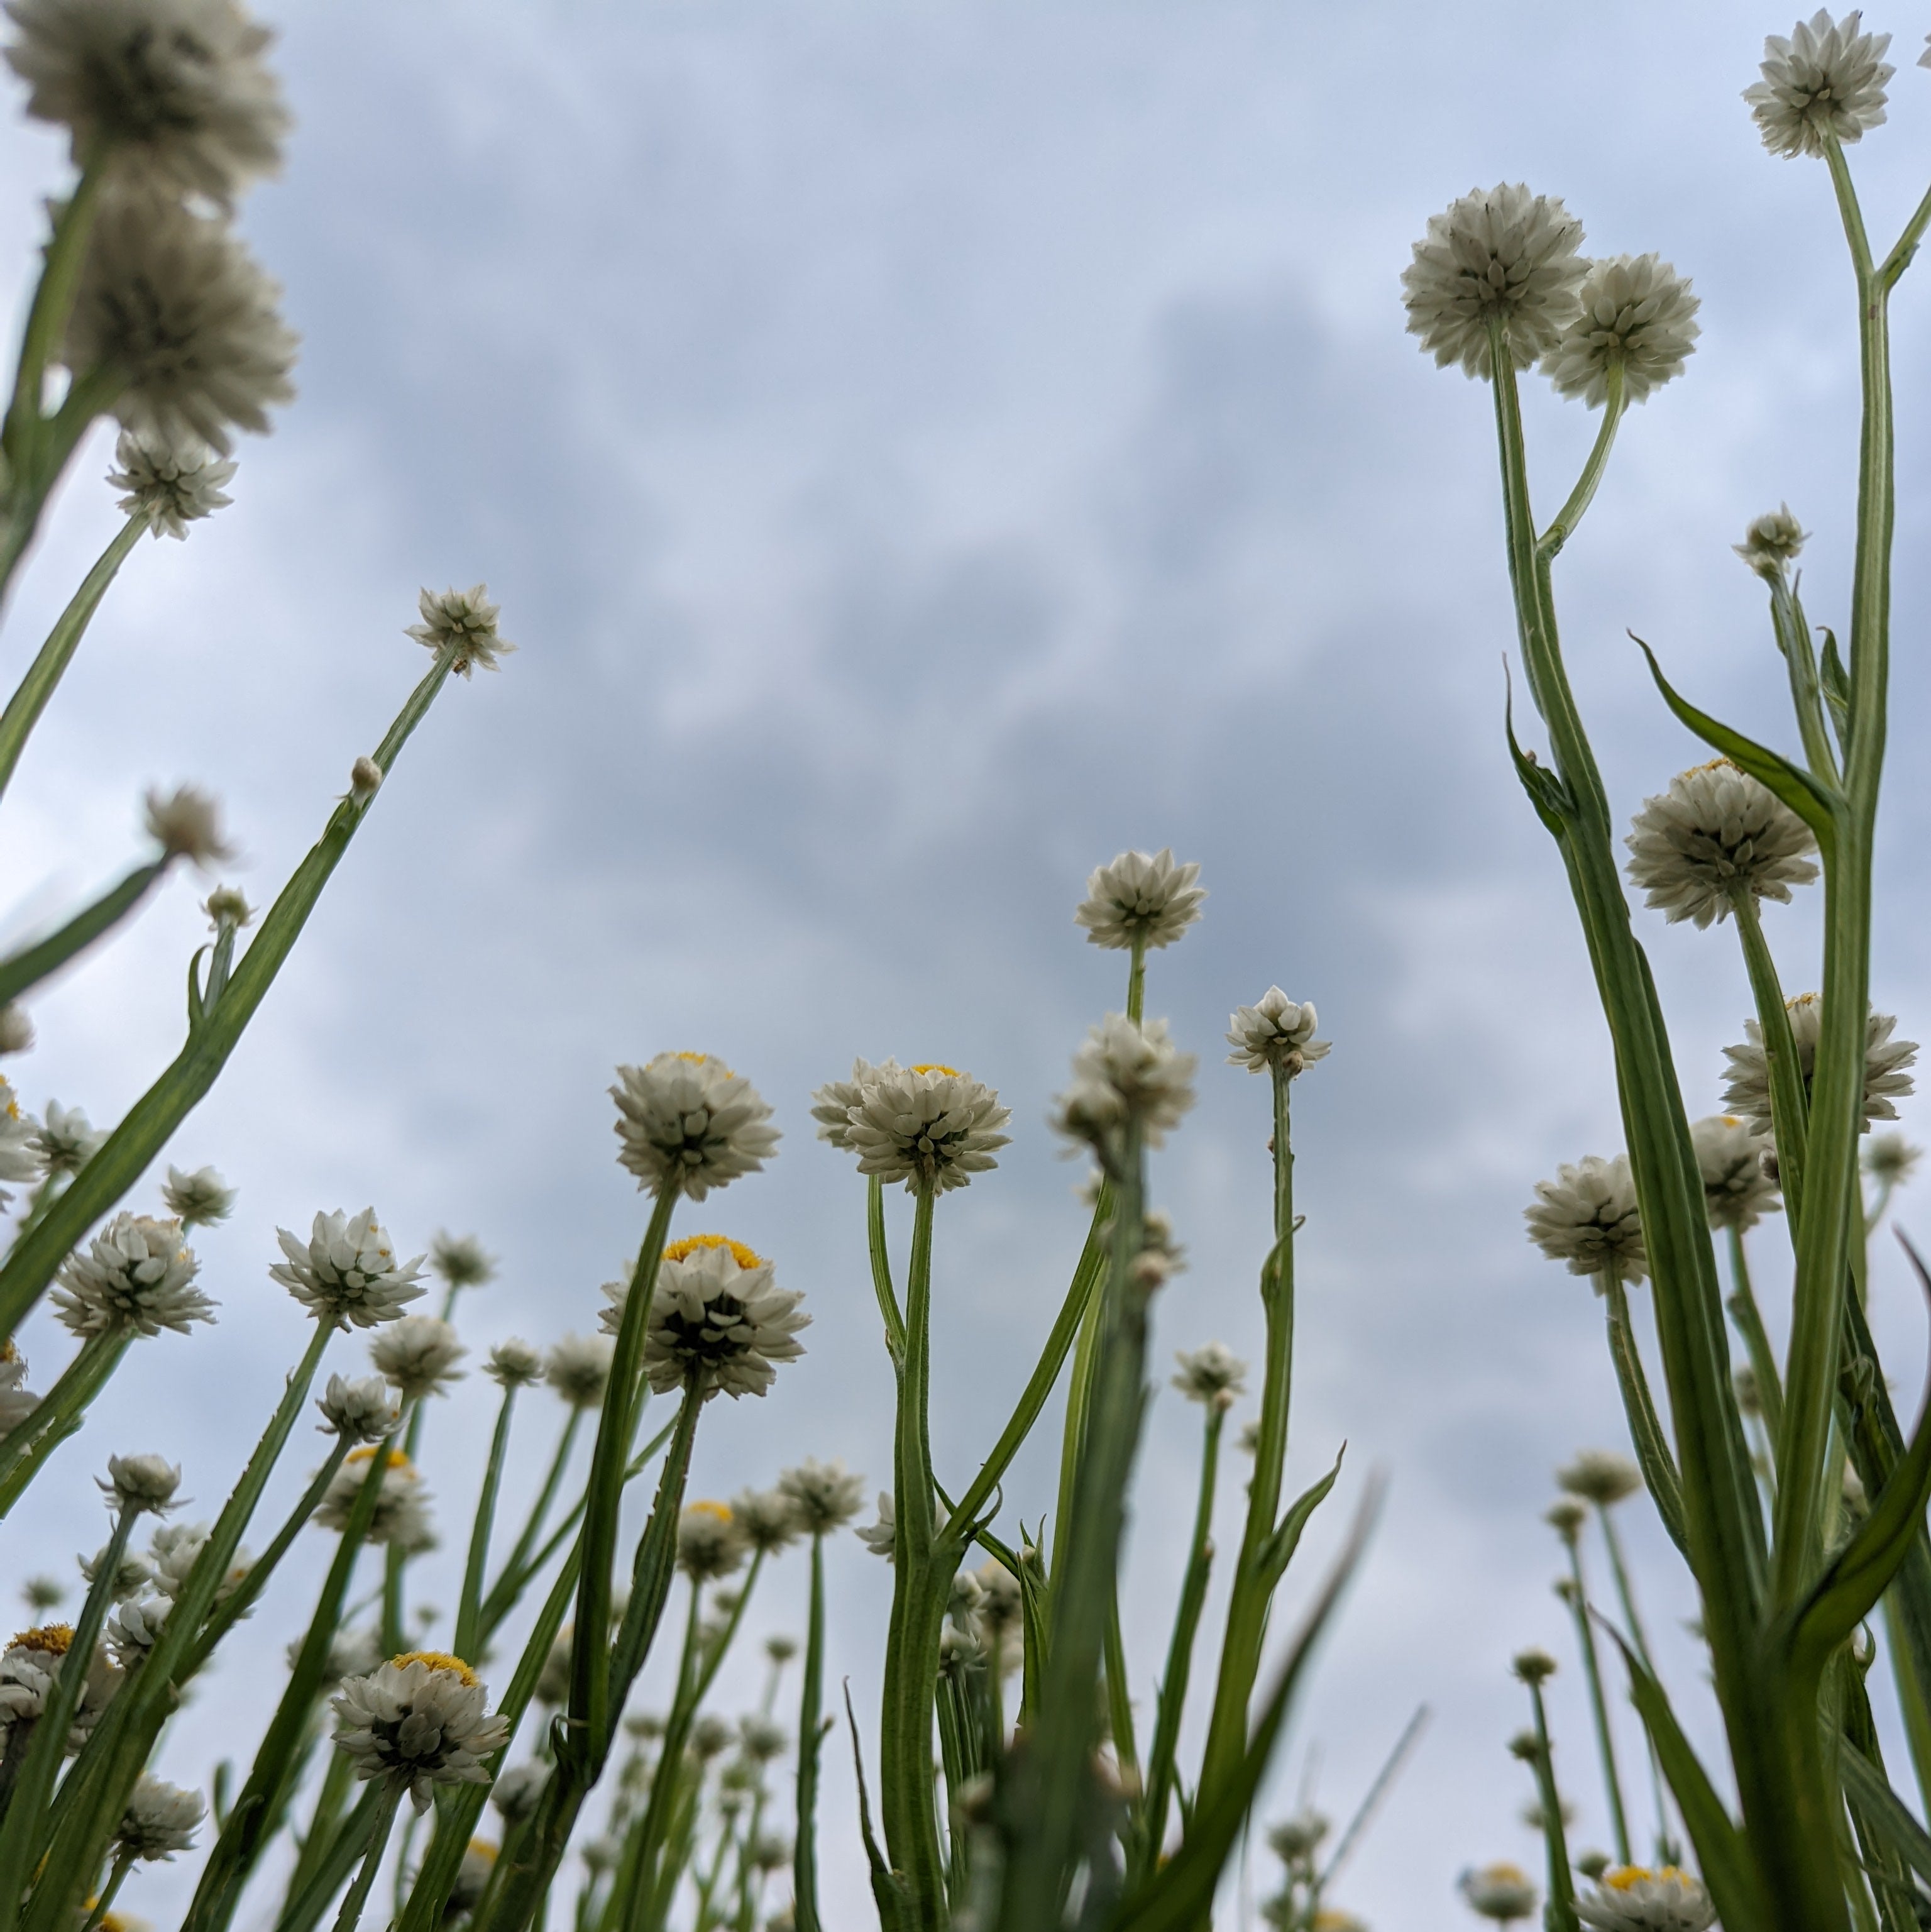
{"points": [[418, 1354], [419, 1720], [515, 1364], [686, 1120], [823, 1496], [187, 824], [145, 1484], [926, 1126], [765, 1519], [402, 1513], [363, 1411], [463, 623], [160, 1819], [1214, 1376], [1275, 1031], [1747, 1092], [1824, 81], [1737, 1192], [710, 1544], [1126, 1073], [1771, 543], [346, 1272], [881, 1537], [716, 1312], [1600, 1476], [1587, 1217], [1502, 1892], [831, 1105], [170, 485], [1638, 316], [1716, 833], [461, 1260], [66, 1140], [135, 1273], [199, 1199], [579, 1369], [1140, 899], [1633, 1898]]}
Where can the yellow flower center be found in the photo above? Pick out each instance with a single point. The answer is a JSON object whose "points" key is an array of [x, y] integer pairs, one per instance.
{"points": [[437, 1659], [933, 1067], [483, 1849], [398, 1460], [721, 1511], [704, 1060], [745, 1258], [8, 1353], [1505, 1874], [54, 1638], [1625, 1878]]}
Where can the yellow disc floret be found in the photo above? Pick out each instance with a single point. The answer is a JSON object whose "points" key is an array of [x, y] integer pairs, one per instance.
{"points": [[745, 1258], [933, 1067], [54, 1638], [704, 1060], [722, 1511], [1626, 1878], [437, 1659], [398, 1460]]}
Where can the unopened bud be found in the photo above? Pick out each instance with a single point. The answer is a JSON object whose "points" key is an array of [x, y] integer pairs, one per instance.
{"points": [[365, 780]]}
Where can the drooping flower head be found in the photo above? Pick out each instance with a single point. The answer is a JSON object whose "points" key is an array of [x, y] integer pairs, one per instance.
{"points": [[160, 1819], [1737, 1191], [1717, 832], [831, 1105], [1599, 1476], [1502, 1892], [1634, 1898], [1824, 81], [401, 1512], [1126, 1075], [346, 1272], [170, 485], [1638, 315], [716, 1313], [710, 1544], [1772, 543], [135, 1273], [1275, 1031], [1504, 256], [199, 1199], [686, 1120], [1140, 899], [578, 1368], [463, 623], [823, 1496], [928, 1126], [419, 1720], [418, 1354], [1747, 1090], [1213, 1376], [1587, 1217]]}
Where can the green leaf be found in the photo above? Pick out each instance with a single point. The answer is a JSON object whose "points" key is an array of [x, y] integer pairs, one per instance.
{"points": [[1280, 1547], [1836, 685], [1884, 1812], [1547, 792], [20, 972], [887, 1889]]}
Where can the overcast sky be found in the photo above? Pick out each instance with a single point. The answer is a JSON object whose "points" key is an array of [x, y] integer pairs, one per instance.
{"points": [[921, 451]]}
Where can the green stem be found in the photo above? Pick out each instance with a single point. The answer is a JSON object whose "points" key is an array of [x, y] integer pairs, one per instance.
{"points": [[1558, 533], [123, 1863], [1748, 1318], [881, 1268], [357, 1896], [1598, 1709], [1788, 1104], [810, 1741], [503, 1593], [20, 972], [468, 1614], [1559, 1914], [26, 1450]]}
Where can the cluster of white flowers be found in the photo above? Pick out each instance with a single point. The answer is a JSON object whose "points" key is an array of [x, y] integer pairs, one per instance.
{"points": [[1823, 82], [401, 1512], [1886, 1081], [686, 1120], [578, 1368], [1738, 1190], [147, 1586], [1716, 833], [160, 1819], [718, 1316], [929, 1126], [419, 1720], [135, 1273], [28, 1667], [142, 1485], [1123, 1075], [515, 1364], [1587, 1217], [65, 1140], [463, 623], [346, 1272], [1635, 1898], [1275, 1032], [1140, 899], [363, 1411]]}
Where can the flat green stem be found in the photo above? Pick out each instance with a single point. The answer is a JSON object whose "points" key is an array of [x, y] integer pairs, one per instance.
{"points": [[25, 1450], [1748, 1318], [20, 972], [503, 1593], [881, 1268], [1788, 1104], [1598, 1708], [1558, 533], [811, 1741], [469, 1608], [357, 1897]]}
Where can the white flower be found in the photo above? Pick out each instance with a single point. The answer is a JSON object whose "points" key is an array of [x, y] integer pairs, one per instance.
{"points": [[174, 1549], [16, 1030], [18, 1159], [710, 1544], [65, 1140], [1775, 539], [227, 906], [518, 1791], [1296, 1839], [1276, 1031], [365, 780], [170, 485], [1631, 1898], [715, 1313], [1825, 80], [363, 1411], [1737, 1192], [187, 825], [1716, 833], [346, 1272], [823, 1495], [1213, 1376], [175, 305], [1126, 1073], [1890, 1159], [463, 623], [765, 1518], [461, 1260], [831, 1105], [402, 1514], [1502, 1892], [17, 1402], [686, 1120], [160, 1819], [352, 1653], [1506, 255], [28, 1668], [880, 1537], [418, 1720], [1599, 1476], [1638, 314], [579, 1369], [132, 1629], [145, 1484], [1140, 900], [418, 1354], [1001, 1603], [515, 1364], [1588, 1217], [199, 1199], [136, 1273], [1747, 1092], [177, 90], [132, 1575], [472, 1875], [928, 1126]]}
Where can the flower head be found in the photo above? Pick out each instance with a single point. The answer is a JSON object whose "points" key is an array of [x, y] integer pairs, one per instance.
{"points": [[930, 1127], [710, 1543], [1638, 316], [1717, 832], [823, 1495], [1275, 1031], [419, 1720], [765, 1519], [346, 1272], [881, 1537], [19, 1160], [1214, 1376], [187, 825], [1890, 1159], [463, 623], [1599, 1476], [1566, 1517], [176, 90], [578, 1368], [1140, 900], [136, 1273], [1634, 1898], [1825, 81], [1773, 541], [717, 1315], [17, 1402], [1737, 1192], [146, 1484], [227, 906], [199, 1199], [169, 486], [65, 1140], [16, 1030], [1123, 1074], [1533, 1666], [418, 1354], [461, 1260], [518, 1791], [1587, 1216], [160, 1819], [28, 1668], [363, 1411], [1747, 1090], [1502, 1892], [686, 1120], [515, 1364], [1506, 255], [175, 304], [402, 1513], [472, 1875], [831, 1105], [365, 780]]}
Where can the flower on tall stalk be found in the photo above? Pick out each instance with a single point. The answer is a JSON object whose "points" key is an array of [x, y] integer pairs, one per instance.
{"points": [[132, 1575], [66, 1140], [1634, 1898], [1140, 899], [419, 1720], [1275, 1032], [160, 1819], [515, 1364], [578, 1368], [1747, 1090], [144, 1484], [1125, 1074], [1890, 1159], [823, 1496], [187, 824], [463, 623], [685, 1119], [832, 1103], [765, 1519], [518, 1791], [135, 1273], [346, 1272], [1737, 1192], [1773, 541], [362, 1411], [710, 1543], [1587, 1217], [1505, 255], [472, 1875], [28, 1666], [461, 1260], [170, 485], [173, 305], [1638, 316], [417, 1355], [717, 1313], [928, 1126], [402, 1513], [199, 1199], [1502, 1892], [1825, 81], [174, 1549], [1213, 1376], [17, 1402], [1599, 1476], [1717, 832]]}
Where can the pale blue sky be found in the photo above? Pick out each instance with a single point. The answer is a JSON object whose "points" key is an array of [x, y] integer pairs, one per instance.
{"points": [[921, 451]]}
